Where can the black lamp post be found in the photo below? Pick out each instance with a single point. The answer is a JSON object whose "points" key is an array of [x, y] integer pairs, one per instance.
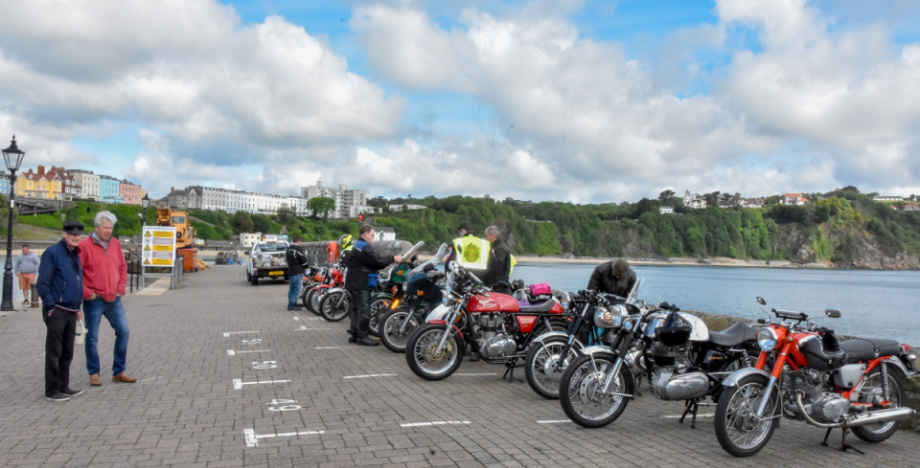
{"points": [[12, 156], [145, 202]]}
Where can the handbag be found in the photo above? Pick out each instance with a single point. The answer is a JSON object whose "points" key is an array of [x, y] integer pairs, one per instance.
{"points": [[80, 336]]}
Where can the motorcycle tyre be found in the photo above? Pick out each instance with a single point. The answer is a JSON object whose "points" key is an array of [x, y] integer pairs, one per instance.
{"points": [[896, 381], [313, 298], [533, 371], [327, 306], [422, 333], [389, 322], [378, 307], [722, 410], [565, 397]]}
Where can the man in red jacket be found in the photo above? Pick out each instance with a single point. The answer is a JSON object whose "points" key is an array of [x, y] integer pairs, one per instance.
{"points": [[105, 275]]}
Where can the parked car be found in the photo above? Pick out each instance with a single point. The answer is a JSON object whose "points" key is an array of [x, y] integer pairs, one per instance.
{"points": [[266, 260]]}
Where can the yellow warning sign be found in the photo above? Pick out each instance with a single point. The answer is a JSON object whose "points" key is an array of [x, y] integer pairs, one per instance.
{"points": [[147, 261], [147, 234], [147, 248]]}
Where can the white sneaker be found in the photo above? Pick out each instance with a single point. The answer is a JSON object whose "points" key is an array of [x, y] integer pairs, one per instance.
{"points": [[25, 301]]}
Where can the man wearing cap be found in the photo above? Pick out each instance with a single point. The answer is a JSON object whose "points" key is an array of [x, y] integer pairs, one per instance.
{"points": [[613, 277], [60, 286], [105, 275]]}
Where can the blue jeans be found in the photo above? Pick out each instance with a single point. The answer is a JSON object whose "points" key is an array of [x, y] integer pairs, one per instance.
{"points": [[294, 290], [115, 313]]}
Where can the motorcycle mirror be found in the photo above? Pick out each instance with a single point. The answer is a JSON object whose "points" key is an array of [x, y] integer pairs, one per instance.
{"points": [[761, 301], [832, 313]]}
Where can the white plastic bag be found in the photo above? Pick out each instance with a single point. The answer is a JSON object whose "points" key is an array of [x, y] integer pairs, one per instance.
{"points": [[80, 336]]}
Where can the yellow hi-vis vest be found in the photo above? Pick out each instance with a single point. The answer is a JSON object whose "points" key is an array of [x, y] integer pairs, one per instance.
{"points": [[472, 252], [513, 263]]}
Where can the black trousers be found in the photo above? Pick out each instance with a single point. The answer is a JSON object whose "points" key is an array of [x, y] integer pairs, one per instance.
{"points": [[360, 312], [61, 327]]}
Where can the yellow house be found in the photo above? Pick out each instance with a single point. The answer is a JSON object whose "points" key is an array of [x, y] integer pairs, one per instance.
{"points": [[39, 184]]}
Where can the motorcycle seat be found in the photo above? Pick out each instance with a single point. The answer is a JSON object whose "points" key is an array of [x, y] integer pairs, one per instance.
{"points": [[863, 349], [734, 335], [542, 307]]}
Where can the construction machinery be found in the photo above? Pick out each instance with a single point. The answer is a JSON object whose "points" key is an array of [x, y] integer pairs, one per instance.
{"points": [[185, 237]]}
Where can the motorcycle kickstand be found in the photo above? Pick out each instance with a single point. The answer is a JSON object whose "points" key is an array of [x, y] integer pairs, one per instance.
{"points": [[509, 372], [843, 440], [691, 407]]}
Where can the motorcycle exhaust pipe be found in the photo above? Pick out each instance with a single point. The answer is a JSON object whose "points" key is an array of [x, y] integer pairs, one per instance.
{"points": [[882, 416]]}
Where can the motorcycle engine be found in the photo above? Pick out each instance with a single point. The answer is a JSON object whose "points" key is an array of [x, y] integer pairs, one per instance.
{"points": [[670, 377], [821, 405], [494, 342]]}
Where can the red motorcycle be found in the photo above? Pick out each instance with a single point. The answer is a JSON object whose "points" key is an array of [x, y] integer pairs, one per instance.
{"points": [[496, 326], [803, 373], [325, 279]]}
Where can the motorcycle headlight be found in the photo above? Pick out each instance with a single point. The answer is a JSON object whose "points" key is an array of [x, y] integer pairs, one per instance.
{"points": [[767, 339], [610, 317]]}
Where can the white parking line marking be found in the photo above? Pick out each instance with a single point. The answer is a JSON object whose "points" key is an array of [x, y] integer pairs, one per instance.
{"points": [[252, 439], [238, 383], [296, 318], [231, 352], [328, 347], [227, 334], [475, 375], [367, 376], [678, 416], [152, 378], [304, 327], [554, 421], [433, 423]]}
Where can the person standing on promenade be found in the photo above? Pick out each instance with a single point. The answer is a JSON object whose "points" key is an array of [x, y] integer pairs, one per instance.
{"points": [[499, 269], [471, 252], [60, 286], [362, 265], [297, 264], [25, 268], [613, 277], [105, 275]]}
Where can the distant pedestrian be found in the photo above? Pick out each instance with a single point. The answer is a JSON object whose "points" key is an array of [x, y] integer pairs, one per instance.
{"points": [[60, 286], [26, 267], [613, 277], [105, 275], [363, 263], [297, 264], [499, 268]]}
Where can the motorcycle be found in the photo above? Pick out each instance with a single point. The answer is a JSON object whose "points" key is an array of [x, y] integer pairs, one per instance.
{"points": [[407, 311], [325, 278], [494, 325], [804, 373], [675, 350]]}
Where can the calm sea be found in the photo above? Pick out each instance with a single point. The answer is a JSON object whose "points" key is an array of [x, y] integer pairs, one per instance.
{"points": [[882, 304]]}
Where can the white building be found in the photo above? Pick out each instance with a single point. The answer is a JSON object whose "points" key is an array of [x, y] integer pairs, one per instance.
{"points": [[384, 233], [666, 209], [88, 182], [694, 201], [348, 203]]}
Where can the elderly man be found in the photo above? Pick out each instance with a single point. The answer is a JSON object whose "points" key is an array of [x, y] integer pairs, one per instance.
{"points": [[613, 277], [61, 289], [105, 275], [499, 269]]}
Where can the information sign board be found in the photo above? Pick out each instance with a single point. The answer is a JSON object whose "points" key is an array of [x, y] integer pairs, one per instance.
{"points": [[158, 246]]}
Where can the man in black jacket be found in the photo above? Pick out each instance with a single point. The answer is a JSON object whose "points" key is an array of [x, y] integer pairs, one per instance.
{"points": [[360, 279], [297, 262], [499, 268], [613, 277]]}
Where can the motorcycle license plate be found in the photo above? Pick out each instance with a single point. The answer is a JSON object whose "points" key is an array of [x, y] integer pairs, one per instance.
{"points": [[276, 273]]}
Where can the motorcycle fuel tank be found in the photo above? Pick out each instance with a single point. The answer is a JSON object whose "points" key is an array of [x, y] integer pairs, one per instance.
{"points": [[494, 302]]}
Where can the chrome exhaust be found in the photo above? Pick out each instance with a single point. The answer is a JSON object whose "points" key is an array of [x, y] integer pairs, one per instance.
{"points": [[881, 416]]}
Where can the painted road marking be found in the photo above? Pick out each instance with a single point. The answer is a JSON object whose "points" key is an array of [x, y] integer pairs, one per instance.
{"points": [[152, 378], [304, 327], [328, 347], [238, 383], [231, 352], [554, 421], [367, 376], [296, 318], [475, 375], [678, 416], [227, 334], [434, 423], [252, 439], [252, 341]]}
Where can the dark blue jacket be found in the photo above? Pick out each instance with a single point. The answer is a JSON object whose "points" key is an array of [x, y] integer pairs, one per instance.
{"points": [[363, 262], [60, 277]]}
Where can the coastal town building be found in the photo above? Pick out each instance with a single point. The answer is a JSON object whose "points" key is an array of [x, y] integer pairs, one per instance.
{"points": [[4, 184], [694, 200], [795, 199], [666, 209], [348, 203], [88, 182]]}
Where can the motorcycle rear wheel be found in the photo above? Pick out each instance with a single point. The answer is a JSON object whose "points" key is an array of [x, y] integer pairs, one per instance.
{"points": [[739, 432], [421, 356], [580, 387], [390, 335], [311, 299], [378, 307], [872, 392], [544, 366], [333, 307]]}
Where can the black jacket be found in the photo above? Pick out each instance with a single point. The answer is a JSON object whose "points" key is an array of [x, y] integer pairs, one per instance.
{"points": [[499, 267], [296, 260], [604, 281], [361, 263]]}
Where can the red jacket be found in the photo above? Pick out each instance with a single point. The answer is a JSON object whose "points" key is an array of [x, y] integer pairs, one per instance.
{"points": [[104, 270]]}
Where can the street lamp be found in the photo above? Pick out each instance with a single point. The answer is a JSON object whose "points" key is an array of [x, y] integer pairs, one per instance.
{"points": [[145, 202], [12, 156]]}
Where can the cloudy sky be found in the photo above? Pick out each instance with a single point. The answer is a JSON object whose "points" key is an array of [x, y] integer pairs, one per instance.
{"points": [[569, 100]]}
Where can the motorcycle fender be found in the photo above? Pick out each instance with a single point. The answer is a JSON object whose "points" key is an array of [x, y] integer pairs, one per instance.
{"points": [[596, 349], [382, 295], [739, 374], [442, 322], [894, 361], [438, 313]]}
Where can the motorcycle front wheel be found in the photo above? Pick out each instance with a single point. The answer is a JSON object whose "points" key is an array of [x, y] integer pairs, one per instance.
{"points": [[390, 334], [544, 366], [739, 430], [423, 357], [580, 390], [873, 392], [311, 299], [378, 307], [333, 307]]}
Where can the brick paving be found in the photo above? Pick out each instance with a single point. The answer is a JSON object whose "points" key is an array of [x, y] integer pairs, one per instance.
{"points": [[293, 393]]}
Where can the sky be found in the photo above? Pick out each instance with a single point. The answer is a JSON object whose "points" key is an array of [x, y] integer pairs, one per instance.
{"points": [[577, 101]]}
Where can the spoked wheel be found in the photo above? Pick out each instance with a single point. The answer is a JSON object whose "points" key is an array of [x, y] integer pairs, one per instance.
{"points": [[311, 300], [544, 366], [873, 391], [333, 307], [424, 358], [395, 331], [581, 390], [739, 430]]}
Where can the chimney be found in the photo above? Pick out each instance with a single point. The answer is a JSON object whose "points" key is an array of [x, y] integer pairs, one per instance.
{"points": [[41, 170]]}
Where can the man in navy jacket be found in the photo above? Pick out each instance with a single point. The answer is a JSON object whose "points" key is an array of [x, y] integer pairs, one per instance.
{"points": [[360, 279]]}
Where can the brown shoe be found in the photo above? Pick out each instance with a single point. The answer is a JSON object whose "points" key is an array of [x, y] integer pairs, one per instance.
{"points": [[123, 378], [94, 380]]}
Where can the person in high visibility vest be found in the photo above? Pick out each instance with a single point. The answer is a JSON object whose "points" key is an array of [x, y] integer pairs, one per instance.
{"points": [[469, 251]]}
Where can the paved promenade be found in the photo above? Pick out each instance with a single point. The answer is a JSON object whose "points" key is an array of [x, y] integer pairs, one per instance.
{"points": [[227, 377]]}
